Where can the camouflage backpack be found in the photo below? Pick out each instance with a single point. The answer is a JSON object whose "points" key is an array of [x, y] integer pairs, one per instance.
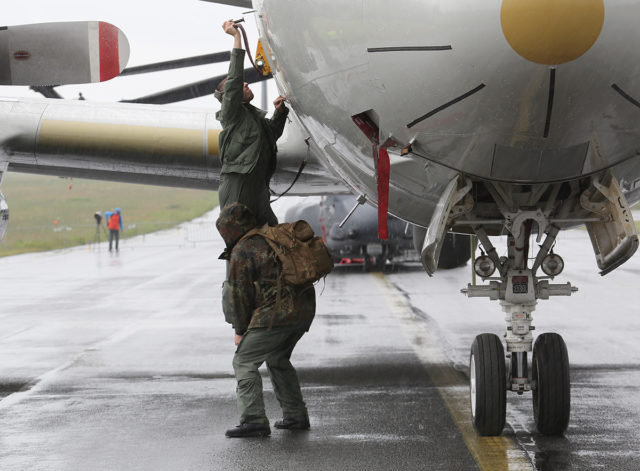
{"points": [[304, 258]]}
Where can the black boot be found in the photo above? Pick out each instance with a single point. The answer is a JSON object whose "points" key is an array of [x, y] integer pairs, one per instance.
{"points": [[294, 423], [249, 430]]}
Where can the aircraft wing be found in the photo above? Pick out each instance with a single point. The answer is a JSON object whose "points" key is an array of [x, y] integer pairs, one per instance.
{"points": [[134, 143], [125, 142]]}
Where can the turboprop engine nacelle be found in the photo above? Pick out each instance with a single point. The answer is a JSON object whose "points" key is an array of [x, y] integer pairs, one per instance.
{"points": [[4, 216]]}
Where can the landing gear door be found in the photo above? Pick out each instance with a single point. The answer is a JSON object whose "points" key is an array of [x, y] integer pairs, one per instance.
{"points": [[432, 245], [614, 239]]}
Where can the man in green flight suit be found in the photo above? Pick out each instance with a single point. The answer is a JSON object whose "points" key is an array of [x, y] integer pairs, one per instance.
{"points": [[248, 139], [269, 317]]}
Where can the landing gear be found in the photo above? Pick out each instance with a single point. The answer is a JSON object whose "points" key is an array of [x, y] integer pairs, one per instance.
{"points": [[366, 264], [519, 211], [381, 260], [551, 388], [376, 261], [518, 290], [488, 391]]}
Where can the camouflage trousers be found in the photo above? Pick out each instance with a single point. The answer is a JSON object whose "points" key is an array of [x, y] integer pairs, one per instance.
{"points": [[274, 347]]}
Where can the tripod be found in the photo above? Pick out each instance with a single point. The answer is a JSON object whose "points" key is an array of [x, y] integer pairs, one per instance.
{"points": [[96, 237]]}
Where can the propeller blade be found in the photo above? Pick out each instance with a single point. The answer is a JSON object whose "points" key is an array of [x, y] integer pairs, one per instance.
{"points": [[235, 3], [46, 91], [194, 90], [214, 58]]}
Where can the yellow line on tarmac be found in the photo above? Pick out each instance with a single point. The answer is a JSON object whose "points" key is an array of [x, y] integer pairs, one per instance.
{"points": [[491, 453]]}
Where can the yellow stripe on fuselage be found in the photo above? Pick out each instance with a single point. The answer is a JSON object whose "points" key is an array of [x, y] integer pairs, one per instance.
{"points": [[77, 136]]}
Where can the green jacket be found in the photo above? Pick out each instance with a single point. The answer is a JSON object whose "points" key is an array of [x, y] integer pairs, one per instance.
{"points": [[246, 133]]}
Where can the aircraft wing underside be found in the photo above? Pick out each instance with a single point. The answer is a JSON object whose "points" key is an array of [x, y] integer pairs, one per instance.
{"points": [[140, 144]]}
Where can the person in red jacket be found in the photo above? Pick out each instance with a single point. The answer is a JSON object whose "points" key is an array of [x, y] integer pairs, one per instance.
{"points": [[114, 223]]}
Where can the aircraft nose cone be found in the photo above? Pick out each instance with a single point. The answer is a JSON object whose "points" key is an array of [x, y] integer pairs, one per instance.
{"points": [[552, 32]]}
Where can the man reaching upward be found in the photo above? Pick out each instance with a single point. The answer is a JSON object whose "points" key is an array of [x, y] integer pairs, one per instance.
{"points": [[248, 139]]}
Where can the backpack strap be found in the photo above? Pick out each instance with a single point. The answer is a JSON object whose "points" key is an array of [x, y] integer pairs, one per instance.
{"points": [[250, 233]]}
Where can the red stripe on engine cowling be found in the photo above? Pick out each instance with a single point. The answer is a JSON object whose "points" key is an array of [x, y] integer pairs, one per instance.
{"points": [[383, 192], [109, 51]]}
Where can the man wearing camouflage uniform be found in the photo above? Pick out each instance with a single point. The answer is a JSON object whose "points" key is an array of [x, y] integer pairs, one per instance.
{"points": [[269, 317], [248, 140]]}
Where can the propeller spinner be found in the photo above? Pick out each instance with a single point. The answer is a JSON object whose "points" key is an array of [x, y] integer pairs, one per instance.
{"points": [[61, 53]]}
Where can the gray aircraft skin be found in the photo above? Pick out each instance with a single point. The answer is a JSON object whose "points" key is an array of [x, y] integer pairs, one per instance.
{"points": [[413, 70]]}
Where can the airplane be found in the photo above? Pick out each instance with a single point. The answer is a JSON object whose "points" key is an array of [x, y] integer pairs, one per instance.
{"points": [[352, 237], [494, 118]]}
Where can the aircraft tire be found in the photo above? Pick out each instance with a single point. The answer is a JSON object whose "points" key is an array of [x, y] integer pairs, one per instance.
{"points": [[456, 251], [487, 381], [366, 264], [381, 260], [552, 389]]}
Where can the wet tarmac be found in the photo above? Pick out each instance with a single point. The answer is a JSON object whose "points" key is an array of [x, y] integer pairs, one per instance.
{"points": [[123, 361]]}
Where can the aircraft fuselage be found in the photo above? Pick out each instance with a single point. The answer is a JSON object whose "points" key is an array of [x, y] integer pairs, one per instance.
{"points": [[495, 90]]}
